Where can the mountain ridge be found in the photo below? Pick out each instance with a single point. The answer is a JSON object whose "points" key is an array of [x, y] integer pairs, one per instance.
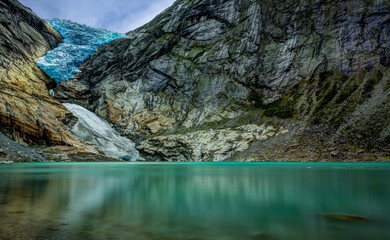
{"points": [[245, 80], [28, 114], [204, 66]]}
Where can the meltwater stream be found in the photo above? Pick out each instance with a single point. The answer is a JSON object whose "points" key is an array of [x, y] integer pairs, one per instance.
{"points": [[92, 128], [202, 201]]}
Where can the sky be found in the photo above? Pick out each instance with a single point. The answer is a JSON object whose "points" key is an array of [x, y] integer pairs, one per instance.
{"points": [[115, 15]]}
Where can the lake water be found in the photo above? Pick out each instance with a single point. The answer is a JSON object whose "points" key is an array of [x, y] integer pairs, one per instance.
{"points": [[195, 201]]}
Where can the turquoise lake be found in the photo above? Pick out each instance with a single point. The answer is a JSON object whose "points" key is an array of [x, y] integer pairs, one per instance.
{"points": [[195, 201]]}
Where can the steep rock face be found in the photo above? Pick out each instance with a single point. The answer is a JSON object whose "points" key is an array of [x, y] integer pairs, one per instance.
{"points": [[208, 145], [211, 62], [10, 151], [27, 112]]}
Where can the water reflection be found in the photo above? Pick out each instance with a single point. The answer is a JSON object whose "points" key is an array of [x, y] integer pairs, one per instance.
{"points": [[193, 201]]}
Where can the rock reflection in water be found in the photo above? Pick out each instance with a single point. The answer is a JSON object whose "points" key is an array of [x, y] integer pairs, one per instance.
{"points": [[192, 201]]}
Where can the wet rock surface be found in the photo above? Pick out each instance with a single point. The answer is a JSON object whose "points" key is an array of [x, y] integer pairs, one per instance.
{"points": [[76, 154], [27, 112], [11, 151], [207, 145], [187, 85], [210, 62]]}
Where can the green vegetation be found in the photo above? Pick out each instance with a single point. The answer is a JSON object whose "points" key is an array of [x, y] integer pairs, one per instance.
{"points": [[167, 37], [282, 108], [387, 139], [373, 78], [329, 98], [347, 92], [326, 86]]}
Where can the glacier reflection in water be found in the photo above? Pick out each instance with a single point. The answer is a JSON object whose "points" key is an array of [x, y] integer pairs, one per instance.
{"points": [[194, 201]]}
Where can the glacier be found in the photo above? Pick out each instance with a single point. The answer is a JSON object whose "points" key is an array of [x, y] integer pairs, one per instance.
{"points": [[92, 128], [80, 41]]}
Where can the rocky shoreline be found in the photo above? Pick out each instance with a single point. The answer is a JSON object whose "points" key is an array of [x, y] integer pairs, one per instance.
{"points": [[3, 161], [305, 150], [209, 81], [13, 152]]}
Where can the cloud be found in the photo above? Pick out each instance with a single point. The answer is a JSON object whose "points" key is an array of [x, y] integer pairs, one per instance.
{"points": [[144, 16], [115, 15]]}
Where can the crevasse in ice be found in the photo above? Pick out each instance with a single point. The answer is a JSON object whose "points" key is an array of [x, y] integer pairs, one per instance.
{"points": [[80, 41]]}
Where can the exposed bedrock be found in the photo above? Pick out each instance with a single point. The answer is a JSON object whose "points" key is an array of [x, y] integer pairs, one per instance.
{"points": [[207, 64], [27, 112]]}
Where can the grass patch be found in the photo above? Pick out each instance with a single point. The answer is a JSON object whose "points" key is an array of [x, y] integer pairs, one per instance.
{"points": [[283, 108], [373, 79]]}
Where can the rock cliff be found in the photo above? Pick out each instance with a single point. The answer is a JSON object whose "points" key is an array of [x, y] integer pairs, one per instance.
{"points": [[28, 114], [213, 80]]}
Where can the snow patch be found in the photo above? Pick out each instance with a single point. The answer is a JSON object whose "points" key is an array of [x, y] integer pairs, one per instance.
{"points": [[93, 129]]}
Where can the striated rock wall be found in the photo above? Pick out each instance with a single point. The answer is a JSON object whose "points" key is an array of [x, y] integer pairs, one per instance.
{"points": [[207, 145], [213, 63], [27, 112]]}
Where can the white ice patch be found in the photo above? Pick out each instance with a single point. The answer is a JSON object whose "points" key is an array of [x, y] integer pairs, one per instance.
{"points": [[93, 129]]}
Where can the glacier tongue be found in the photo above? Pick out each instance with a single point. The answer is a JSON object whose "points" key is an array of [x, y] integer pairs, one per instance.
{"points": [[93, 129], [80, 41]]}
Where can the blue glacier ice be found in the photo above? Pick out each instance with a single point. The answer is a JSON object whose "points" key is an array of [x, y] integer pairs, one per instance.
{"points": [[80, 41]]}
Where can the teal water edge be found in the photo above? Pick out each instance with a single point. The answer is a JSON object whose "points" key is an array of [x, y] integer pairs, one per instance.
{"points": [[195, 201]]}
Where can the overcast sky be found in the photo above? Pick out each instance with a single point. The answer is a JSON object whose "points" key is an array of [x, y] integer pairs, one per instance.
{"points": [[115, 15]]}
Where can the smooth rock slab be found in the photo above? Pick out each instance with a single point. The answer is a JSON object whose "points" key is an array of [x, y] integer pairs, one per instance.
{"points": [[91, 128]]}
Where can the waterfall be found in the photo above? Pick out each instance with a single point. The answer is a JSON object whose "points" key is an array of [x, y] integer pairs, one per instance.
{"points": [[92, 128]]}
